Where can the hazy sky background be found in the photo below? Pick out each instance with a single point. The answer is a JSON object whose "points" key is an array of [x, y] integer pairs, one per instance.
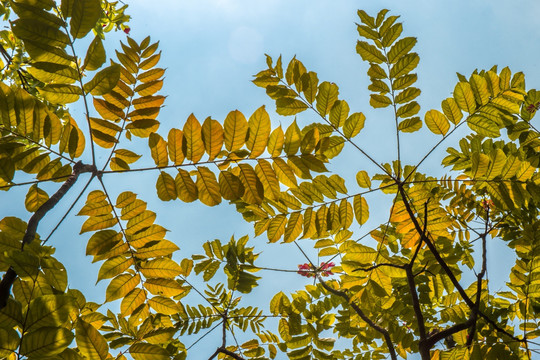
{"points": [[211, 49]]}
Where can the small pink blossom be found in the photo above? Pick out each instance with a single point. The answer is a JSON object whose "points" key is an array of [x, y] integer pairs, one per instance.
{"points": [[308, 270]]}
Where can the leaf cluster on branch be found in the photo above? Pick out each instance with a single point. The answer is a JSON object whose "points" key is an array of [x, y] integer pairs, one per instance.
{"points": [[405, 291]]}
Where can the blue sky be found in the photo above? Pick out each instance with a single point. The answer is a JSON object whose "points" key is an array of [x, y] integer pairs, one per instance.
{"points": [[211, 49]]}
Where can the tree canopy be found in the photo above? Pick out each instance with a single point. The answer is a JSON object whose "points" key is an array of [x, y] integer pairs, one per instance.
{"points": [[415, 284]]}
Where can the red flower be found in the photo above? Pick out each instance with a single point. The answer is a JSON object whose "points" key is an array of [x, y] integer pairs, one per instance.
{"points": [[533, 107], [309, 271], [127, 30], [487, 204]]}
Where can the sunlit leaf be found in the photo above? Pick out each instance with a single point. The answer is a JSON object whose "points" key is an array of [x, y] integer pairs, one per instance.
{"points": [[90, 342], [84, 16]]}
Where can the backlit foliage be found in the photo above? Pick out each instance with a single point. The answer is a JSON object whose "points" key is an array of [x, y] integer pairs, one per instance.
{"points": [[402, 292]]}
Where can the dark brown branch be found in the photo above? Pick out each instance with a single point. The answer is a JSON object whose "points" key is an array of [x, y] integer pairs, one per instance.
{"points": [[30, 233], [226, 352], [363, 316], [479, 277], [402, 267], [438, 336]]}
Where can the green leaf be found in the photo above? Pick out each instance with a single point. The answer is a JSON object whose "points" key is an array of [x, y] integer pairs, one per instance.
{"points": [[437, 122], [145, 351], [166, 187], [84, 16], [326, 97], [400, 49], [370, 53], [45, 341], [259, 126], [379, 101], [289, 106], [235, 128], [95, 55], [391, 35], [410, 125], [353, 125], [339, 113], [34, 30], [363, 179], [408, 110], [60, 94], [90, 342], [451, 110], [35, 198], [120, 286], [9, 342], [464, 97], [104, 81], [361, 209], [404, 65], [53, 73], [208, 187]]}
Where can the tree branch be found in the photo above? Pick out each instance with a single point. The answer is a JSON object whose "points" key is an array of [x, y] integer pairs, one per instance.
{"points": [[30, 233], [447, 269], [363, 316], [226, 352]]}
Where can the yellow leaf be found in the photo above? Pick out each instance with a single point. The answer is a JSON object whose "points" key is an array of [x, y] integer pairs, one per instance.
{"points": [[236, 127], [94, 223], [436, 122], [166, 187], [148, 102], [120, 286], [275, 142], [114, 266], [132, 301], [35, 198], [145, 351], [158, 149], [254, 192], [310, 228], [276, 228], [149, 88], [404, 65], [90, 342], [326, 97], [151, 75], [185, 187], [162, 267], [163, 305], [150, 234], [164, 287], [363, 179], [193, 139], [346, 214], [293, 139], [284, 173], [212, 137], [451, 110], [45, 342], [268, 178], [294, 227], [159, 248], [175, 141], [353, 125], [479, 86], [230, 186], [464, 97], [141, 221], [361, 210], [84, 16], [208, 187], [258, 132], [410, 125], [339, 113]]}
